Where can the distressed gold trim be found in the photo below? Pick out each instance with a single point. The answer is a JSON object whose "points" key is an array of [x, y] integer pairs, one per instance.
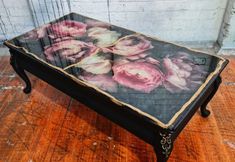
{"points": [[120, 103], [68, 67]]}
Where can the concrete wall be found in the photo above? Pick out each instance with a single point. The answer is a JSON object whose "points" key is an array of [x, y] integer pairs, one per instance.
{"points": [[15, 18], [227, 34], [174, 20]]}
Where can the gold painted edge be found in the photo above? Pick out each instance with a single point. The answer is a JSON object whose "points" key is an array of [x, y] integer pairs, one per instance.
{"points": [[196, 94], [120, 103]]}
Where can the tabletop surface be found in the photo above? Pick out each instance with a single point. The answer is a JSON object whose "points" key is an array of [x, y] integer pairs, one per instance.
{"points": [[154, 77]]}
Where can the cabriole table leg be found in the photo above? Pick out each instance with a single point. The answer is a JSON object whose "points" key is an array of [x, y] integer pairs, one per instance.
{"points": [[203, 108], [20, 71]]}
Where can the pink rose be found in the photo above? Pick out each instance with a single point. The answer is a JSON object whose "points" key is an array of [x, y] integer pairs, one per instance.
{"points": [[101, 33], [95, 23], [130, 45], [142, 57], [103, 36], [137, 57], [140, 76], [38, 33], [181, 73], [102, 81], [70, 49], [95, 64], [68, 28], [42, 31]]}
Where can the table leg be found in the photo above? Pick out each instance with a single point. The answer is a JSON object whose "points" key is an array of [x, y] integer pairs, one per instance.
{"points": [[163, 146], [20, 71], [203, 108]]}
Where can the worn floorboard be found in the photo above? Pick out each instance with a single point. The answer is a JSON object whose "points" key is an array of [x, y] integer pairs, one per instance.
{"points": [[47, 125]]}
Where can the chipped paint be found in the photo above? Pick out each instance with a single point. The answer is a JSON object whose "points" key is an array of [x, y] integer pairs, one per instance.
{"points": [[230, 143], [7, 75], [229, 83], [11, 87], [94, 143], [24, 123], [9, 142]]}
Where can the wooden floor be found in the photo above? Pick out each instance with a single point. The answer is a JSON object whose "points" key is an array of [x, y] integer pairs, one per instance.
{"points": [[47, 125]]}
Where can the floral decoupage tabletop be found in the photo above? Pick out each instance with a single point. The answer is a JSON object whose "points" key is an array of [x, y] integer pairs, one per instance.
{"points": [[156, 77]]}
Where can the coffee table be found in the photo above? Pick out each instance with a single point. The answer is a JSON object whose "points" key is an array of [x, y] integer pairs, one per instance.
{"points": [[148, 86]]}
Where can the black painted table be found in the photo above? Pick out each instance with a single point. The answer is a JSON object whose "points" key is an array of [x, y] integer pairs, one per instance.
{"points": [[148, 86]]}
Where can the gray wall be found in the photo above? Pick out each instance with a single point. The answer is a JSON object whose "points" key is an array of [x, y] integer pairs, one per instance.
{"points": [[195, 21], [227, 34]]}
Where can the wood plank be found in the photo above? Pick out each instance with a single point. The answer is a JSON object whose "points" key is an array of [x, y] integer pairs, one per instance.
{"points": [[47, 125]]}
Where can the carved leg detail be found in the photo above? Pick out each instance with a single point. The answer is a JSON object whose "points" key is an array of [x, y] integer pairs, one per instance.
{"points": [[203, 108], [21, 73], [163, 147]]}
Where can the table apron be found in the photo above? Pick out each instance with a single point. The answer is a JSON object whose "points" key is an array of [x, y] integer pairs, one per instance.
{"points": [[121, 115]]}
